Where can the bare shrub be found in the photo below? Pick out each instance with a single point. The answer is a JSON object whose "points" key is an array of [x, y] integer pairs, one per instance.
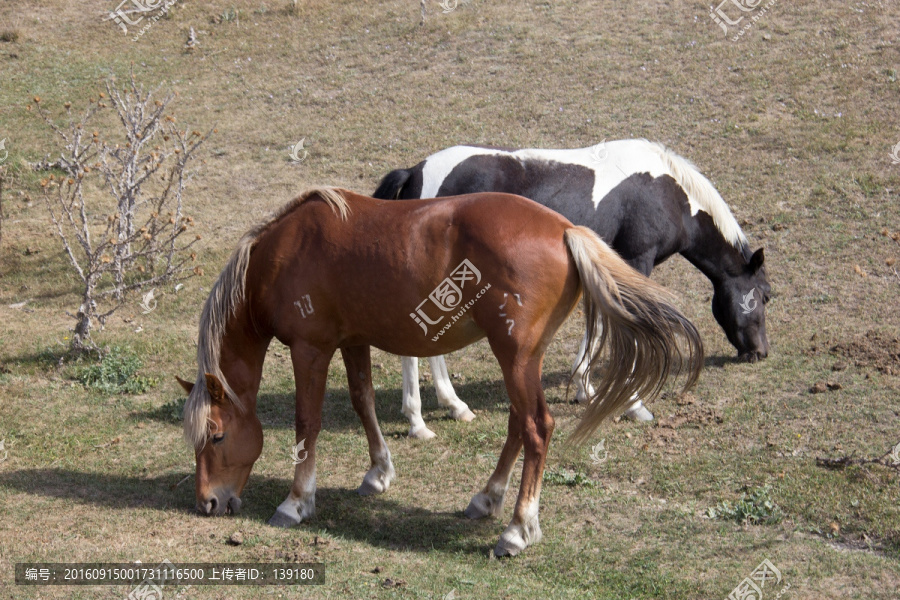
{"points": [[136, 234]]}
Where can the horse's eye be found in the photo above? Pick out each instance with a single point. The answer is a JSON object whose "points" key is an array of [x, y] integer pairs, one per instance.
{"points": [[217, 438]]}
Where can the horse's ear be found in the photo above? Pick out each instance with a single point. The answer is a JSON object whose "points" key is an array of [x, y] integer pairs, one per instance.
{"points": [[756, 261], [187, 385], [215, 388]]}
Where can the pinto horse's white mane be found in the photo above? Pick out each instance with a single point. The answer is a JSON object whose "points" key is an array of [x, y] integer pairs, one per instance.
{"points": [[612, 162]]}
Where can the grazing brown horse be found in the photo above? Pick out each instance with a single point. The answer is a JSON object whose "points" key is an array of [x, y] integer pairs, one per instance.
{"points": [[334, 270]]}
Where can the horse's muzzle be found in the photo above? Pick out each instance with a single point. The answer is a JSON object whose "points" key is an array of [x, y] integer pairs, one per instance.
{"points": [[753, 356], [214, 506]]}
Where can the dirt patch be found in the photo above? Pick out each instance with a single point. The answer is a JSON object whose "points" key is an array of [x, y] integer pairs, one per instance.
{"points": [[873, 349]]}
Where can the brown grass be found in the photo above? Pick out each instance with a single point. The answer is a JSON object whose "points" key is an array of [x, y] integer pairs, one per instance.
{"points": [[793, 124]]}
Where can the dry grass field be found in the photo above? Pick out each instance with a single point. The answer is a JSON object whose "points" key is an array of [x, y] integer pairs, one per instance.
{"points": [[794, 122]]}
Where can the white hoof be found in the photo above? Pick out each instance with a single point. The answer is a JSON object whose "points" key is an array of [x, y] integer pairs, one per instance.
{"points": [[421, 433], [462, 414], [376, 481], [518, 537], [483, 505], [638, 412], [292, 512]]}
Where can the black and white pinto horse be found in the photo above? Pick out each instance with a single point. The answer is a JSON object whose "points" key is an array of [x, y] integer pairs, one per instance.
{"points": [[644, 200]]}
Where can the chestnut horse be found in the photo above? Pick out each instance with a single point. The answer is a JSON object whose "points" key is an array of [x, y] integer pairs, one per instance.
{"points": [[335, 270]]}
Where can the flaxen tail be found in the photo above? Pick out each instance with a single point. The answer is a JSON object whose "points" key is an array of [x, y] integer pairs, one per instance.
{"points": [[633, 318]]}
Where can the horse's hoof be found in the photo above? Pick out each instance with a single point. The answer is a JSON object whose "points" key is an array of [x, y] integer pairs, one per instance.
{"points": [[479, 507], [279, 519], [422, 433], [639, 413], [368, 488], [509, 546], [464, 415]]}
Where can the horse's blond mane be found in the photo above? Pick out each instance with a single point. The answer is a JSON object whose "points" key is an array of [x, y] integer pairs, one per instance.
{"points": [[226, 295]]}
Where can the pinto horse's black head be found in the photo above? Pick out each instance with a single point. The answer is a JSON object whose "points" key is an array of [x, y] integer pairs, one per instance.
{"points": [[738, 305]]}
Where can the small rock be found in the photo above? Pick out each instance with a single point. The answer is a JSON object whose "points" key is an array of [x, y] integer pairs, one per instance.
{"points": [[839, 366], [377, 570], [818, 388], [392, 583], [767, 36], [835, 528], [777, 226], [236, 539], [834, 386]]}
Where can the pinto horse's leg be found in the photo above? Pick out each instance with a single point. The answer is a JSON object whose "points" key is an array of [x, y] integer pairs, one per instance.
{"points": [[357, 360], [310, 374], [446, 395], [412, 402], [582, 378], [636, 412]]}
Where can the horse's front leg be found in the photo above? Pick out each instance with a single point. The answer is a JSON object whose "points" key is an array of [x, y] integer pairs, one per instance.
{"points": [[310, 374], [357, 360]]}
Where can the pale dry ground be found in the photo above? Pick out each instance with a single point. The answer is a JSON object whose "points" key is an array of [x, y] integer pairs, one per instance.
{"points": [[793, 124]]}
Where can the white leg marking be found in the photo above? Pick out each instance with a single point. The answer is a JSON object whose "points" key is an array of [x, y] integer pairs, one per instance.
{"points": [[487, 504], [378, 478], [518, 536], [296, 509], [637, 411], [412, 402], [584, 389], [446, 395]]}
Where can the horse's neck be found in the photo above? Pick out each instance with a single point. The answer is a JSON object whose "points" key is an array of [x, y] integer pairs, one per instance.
{"points": [[708, 250], [242, 360]]}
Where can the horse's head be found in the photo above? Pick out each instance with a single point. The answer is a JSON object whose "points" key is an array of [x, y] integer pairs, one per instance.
{"points": [[738, 305], [233, 443]]}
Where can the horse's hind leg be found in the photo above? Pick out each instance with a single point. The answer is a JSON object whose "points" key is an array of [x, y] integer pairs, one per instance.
{"points": [[446, 395], [412, 402], [530, 425], [489, 501], [536, 425], [636, 412], [357, 360]]}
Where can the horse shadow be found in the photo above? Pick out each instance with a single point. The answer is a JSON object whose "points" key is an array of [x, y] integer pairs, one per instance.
{"points": [[376, 520], [276, 410]]}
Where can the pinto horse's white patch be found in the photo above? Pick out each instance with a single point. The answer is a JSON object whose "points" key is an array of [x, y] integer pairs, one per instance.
{"points": [[619, 160]]}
